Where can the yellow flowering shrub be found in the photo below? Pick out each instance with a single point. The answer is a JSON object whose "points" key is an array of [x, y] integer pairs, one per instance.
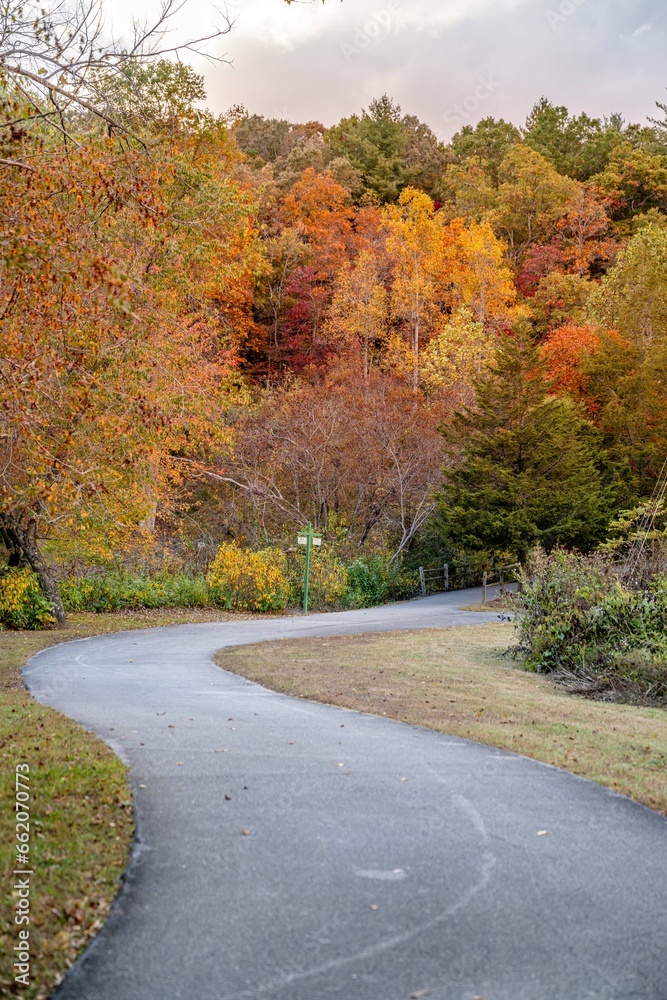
{"points": [[22, 603], [247, 580], [328, 579]]}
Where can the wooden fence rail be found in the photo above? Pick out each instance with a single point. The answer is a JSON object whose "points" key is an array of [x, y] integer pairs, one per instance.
{"points": [[427, 576], [501, 574], [444, 574]]}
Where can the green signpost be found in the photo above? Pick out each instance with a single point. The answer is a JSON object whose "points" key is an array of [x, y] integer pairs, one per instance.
{"points": [[308, 537]]}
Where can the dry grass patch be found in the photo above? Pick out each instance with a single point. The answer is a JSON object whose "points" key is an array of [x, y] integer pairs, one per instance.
{"points": [[457, 681], [81, 811]]}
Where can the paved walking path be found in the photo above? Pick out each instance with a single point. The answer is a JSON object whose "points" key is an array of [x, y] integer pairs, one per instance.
{"points": [[379, 860]]}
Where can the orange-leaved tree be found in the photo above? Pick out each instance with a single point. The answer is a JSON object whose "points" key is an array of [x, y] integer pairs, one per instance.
{"points": [[565, 352], [113, 370]]}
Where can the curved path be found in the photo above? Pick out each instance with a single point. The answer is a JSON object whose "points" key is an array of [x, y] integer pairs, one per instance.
{"points": [[292, 851]]}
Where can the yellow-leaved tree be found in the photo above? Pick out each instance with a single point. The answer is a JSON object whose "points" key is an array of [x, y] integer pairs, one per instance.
{"points": [[424, 258], [485, 283], [455, 357], [358, 315]]}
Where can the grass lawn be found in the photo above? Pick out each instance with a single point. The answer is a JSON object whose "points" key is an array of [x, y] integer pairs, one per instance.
{"points": [[80, 811], [456, 681]]}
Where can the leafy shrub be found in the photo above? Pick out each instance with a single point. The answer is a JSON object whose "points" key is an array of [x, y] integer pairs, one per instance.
{"points": [[578, 618], [249, 581], [22, 603], [116, 592], [377, 580], [327, 583]]}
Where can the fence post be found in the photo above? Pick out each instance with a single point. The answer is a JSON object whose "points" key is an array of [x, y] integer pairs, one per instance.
{"points": [[502, 582], [422, 580], [484, 587], [469, 576], [446, 576]]}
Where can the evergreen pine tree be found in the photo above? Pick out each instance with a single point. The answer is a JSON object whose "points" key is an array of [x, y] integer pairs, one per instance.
{"points": [[526, 467]]}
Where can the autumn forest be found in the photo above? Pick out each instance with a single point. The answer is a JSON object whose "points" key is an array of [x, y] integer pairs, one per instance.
{"points": [[216, 329]]}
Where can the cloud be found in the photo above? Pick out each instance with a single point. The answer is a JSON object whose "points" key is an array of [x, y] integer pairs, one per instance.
{"points": [[314, 61]]}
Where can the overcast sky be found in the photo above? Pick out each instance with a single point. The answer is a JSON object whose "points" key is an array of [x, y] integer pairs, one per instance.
{"points": [[449, 62]]}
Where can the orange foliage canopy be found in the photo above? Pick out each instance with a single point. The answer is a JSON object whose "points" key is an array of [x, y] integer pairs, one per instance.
{"points": [[563, 352], [114, 370]]}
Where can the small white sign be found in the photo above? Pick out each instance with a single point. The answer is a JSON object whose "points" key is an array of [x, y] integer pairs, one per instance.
{"points": [[302, 540], [317, 541]]}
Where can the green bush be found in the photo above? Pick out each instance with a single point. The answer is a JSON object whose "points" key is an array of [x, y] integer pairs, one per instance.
{"points": [[22, 603], [117, 592], [578, 618], [377, 580]]}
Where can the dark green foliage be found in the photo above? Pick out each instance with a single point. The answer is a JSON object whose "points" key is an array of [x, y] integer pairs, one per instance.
{"points": [[489, 141], [577, 618], [390, 150], [376, 580], [375, 143], [578, 146], [527, 467]]}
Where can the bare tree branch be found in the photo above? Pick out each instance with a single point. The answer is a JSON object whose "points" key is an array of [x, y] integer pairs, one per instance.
{"points": [[53, 50], [16, 163]]}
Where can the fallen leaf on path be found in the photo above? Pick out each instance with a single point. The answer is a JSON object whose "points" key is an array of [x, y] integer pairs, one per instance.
{"points": [[245, 831], [420, 993], [542, 833]]}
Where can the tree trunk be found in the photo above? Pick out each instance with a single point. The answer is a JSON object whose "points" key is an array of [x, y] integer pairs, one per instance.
{"points": [[14, 554], [415, 349], [24, 541]]}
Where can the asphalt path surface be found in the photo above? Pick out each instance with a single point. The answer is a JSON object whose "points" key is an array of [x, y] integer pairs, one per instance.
{"points": [[288, 850]]}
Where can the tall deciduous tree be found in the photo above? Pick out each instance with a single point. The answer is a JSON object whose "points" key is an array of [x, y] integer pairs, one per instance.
{"points": [[115, 367], [628, 374], [565, 352], [359, 313], [348, 453], [488, 142], [456, 357], [485, 282], [532, 197], [634, 180], [319, 213], [423, 254], [632, 297]]}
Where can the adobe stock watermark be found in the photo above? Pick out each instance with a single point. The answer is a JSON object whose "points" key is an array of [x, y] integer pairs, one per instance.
{"points": [[564, 11], [381, 23], [458, 114]]}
